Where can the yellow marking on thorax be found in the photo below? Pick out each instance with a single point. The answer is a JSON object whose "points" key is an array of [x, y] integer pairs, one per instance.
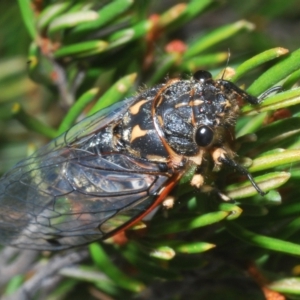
{"points": [[196, 102], [180, 104], [134, 109], [160, 120], [156, 158], [137, 132], [193, 102]]}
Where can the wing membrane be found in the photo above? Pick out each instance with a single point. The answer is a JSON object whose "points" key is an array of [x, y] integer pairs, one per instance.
{"points": [[64, 196]]}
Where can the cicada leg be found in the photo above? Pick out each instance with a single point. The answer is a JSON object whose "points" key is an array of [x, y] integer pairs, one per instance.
{"points": [[249, 98]]}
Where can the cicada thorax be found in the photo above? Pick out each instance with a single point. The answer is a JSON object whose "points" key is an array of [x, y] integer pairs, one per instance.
{"points": [[137, 132], [181, 120]]}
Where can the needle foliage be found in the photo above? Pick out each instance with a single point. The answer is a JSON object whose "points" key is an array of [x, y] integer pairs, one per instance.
{"points": [[64, 60]]}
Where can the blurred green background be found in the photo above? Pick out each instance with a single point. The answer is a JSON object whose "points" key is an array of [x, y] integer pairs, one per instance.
{"points": [[47, 63]]}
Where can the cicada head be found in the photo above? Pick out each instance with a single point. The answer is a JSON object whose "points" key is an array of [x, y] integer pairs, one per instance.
{"points": [[196, 114]]}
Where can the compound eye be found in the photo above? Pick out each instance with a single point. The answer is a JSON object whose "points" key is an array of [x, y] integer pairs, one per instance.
{"points": [[202, 75], [204, 136]]}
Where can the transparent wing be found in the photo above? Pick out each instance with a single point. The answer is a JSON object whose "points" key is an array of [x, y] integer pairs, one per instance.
{"points": [[64, 196], [88, 127]]}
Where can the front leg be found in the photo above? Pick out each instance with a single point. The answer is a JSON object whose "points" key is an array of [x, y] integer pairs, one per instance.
{"points": [[229, 86]]}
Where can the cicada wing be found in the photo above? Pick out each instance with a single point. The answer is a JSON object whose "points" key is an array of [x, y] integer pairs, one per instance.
{"points": [[67, 198], [64, 195], [81, 132]]}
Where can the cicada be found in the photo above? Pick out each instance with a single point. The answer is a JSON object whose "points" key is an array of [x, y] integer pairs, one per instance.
{"points": [[111, 169]]}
